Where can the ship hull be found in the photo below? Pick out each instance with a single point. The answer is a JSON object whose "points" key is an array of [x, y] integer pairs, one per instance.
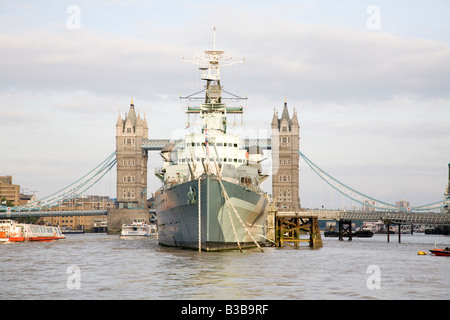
{"points": [[180, 213]]}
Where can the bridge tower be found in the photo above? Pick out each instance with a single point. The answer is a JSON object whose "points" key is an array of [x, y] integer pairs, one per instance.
{"points": [[131, 160], [447, 191], [285, 160]]}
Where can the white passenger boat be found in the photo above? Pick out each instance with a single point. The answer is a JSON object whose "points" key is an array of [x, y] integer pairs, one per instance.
{"points": [[12, 231], [138, 229]]}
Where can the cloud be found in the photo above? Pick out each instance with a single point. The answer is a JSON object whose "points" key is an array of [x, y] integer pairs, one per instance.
{"points": [[313, 62], [73, 61], [365, 99], [343, 65]]}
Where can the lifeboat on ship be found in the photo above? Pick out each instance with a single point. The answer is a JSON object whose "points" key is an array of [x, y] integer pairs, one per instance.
{"points": [[12, 231]]}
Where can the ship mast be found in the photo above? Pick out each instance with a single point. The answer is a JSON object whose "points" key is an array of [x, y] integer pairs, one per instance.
{"points": [[213, 111], [209, 65]]}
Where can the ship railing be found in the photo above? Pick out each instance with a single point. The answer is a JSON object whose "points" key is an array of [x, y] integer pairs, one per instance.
{"points": [[250, 186]]}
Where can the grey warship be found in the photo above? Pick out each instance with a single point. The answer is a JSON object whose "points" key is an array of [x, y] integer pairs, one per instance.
{"points": [[211, 198]]}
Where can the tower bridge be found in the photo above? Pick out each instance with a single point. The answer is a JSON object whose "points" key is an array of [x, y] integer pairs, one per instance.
{"points": [[52, 213], [131, 157], [158, 144]]}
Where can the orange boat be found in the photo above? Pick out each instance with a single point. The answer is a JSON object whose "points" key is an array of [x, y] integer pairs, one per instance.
{"points": [[441, 252], [12, 231]]}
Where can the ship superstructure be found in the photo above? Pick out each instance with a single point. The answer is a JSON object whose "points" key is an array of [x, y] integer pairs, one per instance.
{"points": [[211, 199]]}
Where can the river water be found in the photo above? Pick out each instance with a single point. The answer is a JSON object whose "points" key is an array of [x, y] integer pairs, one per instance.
{"points": [[100, 266]]}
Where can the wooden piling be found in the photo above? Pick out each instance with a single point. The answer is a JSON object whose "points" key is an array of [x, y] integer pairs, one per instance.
{"points": [[289, 227], [387, 228], [345, 231], [315, 238]]}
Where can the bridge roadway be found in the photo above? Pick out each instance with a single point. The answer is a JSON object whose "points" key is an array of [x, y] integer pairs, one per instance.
{"points": [[65, 213], [439, 218], [158, 144], [390, 217]]}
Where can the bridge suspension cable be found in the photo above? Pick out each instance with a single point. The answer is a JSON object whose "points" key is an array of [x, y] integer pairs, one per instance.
{"points": [[365, 199], [72, 191]]}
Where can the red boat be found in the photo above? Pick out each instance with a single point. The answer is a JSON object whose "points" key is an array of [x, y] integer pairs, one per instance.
{"points": [[441, 252]]}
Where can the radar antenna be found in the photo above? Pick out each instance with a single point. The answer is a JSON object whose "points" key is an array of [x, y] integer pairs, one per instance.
{"points": [[209, 65]]}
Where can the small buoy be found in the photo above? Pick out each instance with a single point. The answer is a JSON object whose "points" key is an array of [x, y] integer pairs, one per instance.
{"points": [[422, 253]]}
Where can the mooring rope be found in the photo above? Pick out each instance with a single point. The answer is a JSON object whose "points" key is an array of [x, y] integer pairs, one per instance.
{"points": [[232, 224], [267, 239], [199, 216], [227, 198]]}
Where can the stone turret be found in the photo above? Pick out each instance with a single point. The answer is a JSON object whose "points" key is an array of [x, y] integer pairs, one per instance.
{"points": [[131, 160], [447, 191], [285, 160]]}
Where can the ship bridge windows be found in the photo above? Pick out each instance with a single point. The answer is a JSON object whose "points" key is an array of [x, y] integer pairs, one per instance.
{"points": [[230, 144], [226, 144]]}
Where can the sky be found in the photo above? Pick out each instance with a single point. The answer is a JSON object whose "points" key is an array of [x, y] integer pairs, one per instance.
{"points": [[370, 81]]}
